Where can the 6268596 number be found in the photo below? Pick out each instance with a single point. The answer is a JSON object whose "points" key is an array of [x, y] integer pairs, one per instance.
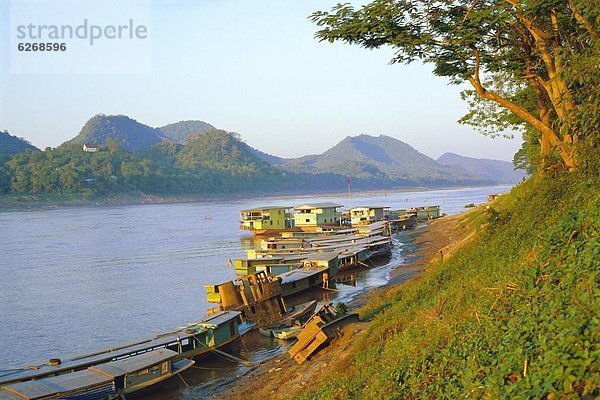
{"points": [[42, 46]]}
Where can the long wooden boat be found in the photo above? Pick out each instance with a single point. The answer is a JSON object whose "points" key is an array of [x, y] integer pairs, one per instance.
{"points": [[194, 340], [103, 381], [321, 247]]}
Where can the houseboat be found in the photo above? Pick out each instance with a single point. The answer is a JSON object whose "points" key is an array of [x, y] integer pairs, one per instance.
{"points": [[354, 257], [103, 381], [194, 340], [258, 297], [365, 215], [425, 213], [267, 220], [311, 217], [317, 271]]}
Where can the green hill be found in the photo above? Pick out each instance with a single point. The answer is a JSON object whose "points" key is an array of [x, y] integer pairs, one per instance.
{"points": [[179, 131], [129, 134], [10, 144], [382, 157], [193, 158]]}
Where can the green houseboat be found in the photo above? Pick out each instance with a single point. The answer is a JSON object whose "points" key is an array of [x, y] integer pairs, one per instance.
{"points": [[104, 381], [194, 340], [267, 220]]}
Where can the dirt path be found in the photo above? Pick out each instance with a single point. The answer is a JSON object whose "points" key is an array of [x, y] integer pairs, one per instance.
{"points": [[281, 378]]}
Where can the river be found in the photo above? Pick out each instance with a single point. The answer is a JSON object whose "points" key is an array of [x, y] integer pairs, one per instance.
{"points": [[76, 279]]}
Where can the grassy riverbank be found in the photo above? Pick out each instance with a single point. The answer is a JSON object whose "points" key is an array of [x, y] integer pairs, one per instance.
{"points": [[511, 313]]}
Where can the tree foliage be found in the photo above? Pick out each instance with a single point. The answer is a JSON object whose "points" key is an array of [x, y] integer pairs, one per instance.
{"points": [[533, 64]]}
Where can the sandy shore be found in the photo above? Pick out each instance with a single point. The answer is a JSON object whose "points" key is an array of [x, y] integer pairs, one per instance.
{"points": [[282, 378]]}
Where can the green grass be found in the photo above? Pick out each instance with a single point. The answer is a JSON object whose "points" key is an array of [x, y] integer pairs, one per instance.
{"points": [[512, 314]]}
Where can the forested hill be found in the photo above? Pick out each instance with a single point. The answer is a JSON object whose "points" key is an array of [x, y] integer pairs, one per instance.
{"points": [[194, 158], [382, 157], [10, 144], [211, 163], [132, 135], [127, 133]]}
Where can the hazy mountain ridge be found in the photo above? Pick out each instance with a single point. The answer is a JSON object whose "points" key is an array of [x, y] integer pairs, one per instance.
{"points": [[194, 157], [10, 144], [379, 157], [501, 171]]}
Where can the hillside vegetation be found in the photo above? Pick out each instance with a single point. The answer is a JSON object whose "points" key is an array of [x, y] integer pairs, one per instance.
{"points": [[136, 159], [125, 132], [179, 131], [211, 163], [513, 313]]}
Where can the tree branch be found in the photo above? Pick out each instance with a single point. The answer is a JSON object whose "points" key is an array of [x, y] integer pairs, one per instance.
{"points": [[583, 21]]}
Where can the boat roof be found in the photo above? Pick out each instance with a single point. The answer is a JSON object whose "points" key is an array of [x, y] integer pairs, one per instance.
{"points": [[309, 206], [134, 364], [341, 239], [327, 247], [369, 207], [119, 351], [299, 274], [353, 251], [266, 208], [43, 388], [326, 256], [345, 231]]}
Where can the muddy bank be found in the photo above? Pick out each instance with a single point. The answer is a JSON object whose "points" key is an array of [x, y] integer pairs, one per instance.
{"points": [[282, 378]]}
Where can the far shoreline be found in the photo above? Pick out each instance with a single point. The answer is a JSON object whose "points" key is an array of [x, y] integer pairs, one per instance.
{"points": [[45, 202]]}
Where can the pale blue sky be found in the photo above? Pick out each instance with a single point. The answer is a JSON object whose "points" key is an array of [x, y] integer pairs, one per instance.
{"points": [[252, 67]]}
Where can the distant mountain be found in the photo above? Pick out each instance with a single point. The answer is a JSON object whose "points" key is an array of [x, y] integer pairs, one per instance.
{"points": [[10, 144], [179, 131], [499, 171], [381, 157], [128, 133]]}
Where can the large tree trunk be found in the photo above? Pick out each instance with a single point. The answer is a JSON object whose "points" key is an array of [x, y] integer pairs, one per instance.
{"points": [[550, 138]]}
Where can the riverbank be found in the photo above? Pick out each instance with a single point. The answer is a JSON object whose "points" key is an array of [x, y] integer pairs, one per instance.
{"points": [[283, 378], [41, 202]]}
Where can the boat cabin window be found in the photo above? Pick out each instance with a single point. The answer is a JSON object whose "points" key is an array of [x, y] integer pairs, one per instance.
{"points": [[164, 367]]}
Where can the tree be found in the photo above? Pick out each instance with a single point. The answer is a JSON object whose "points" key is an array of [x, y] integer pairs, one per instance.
{"points": [[523, 58]]}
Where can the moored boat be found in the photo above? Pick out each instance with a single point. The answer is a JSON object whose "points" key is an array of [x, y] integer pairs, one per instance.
{"points": [[287, 333], [103, 381], [194, 340], [296, 316]]}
